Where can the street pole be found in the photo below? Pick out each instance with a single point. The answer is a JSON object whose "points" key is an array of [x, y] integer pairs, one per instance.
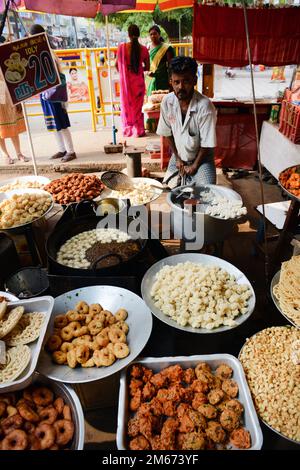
{"points": [[75, 31], [110, 81]]}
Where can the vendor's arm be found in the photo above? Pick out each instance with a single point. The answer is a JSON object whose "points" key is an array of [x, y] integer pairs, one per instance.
{"points": [[164, 129]]}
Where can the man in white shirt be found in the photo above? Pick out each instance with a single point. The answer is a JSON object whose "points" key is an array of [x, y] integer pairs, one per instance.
{"points": [[188, 120]]}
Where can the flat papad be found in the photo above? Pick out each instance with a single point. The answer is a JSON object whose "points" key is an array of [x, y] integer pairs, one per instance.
{"points": [[3, 308], [17, 359], [10, 320], [27, 329]]}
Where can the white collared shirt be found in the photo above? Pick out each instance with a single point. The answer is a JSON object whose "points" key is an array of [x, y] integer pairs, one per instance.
{"points": [[198, 129]]}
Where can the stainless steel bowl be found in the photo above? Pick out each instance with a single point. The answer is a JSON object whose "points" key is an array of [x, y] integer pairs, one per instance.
{"points": [[109, 205], [70, 398]]}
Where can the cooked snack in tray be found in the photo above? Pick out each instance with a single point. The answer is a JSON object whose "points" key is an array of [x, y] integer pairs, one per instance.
{"points": [[9, 318], [185, 409], [74, 187], [287, 291], [142, 194], [27, 329], [82, 250], [35, 419], [17, 359], [19, 184], [89, 336], [272, 373], [199, 295], [22, 209], [17, 329], [290, 180]]}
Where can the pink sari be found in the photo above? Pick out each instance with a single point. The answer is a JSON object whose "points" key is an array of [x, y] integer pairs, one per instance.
{"points": [[132, 92]]}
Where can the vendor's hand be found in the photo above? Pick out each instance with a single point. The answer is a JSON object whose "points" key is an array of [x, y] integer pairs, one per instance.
{"points": [[190, 170], [180, 165]]}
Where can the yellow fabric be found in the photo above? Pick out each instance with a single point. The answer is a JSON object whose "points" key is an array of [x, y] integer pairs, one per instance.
{"points": [[158, 56]]}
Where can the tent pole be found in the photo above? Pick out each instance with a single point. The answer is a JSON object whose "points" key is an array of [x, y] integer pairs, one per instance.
{"points": [[110, 81], [30, 139], [257, 144], [25, 117]]}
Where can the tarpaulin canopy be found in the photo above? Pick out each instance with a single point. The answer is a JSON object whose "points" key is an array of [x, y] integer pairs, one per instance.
{"points": [[219, 35], [164, 5], [82, 8]]}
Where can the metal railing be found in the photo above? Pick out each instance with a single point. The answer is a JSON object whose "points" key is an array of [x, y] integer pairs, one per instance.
{"points": [[93, 61]]}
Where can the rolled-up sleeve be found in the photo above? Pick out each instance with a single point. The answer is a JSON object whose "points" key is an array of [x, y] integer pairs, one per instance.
{"points": [[164, 127]]}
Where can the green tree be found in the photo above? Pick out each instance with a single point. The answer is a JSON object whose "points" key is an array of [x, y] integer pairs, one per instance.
{"points": [[175, 24]]}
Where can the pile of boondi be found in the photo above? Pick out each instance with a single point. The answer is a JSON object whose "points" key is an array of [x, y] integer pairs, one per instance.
{"points": [[273, 378]]}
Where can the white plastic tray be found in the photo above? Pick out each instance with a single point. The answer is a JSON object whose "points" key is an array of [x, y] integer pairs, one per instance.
{"points": [[10, 297], [250, 419], [45, 306]]}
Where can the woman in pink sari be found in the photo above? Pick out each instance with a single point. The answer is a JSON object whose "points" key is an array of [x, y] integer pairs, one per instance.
{"points": [[132, 61]]}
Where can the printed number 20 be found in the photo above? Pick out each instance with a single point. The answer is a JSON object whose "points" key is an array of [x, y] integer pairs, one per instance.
{"points": [[45, 64]]}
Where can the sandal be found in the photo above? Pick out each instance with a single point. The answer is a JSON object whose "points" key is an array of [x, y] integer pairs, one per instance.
{"points": [[10, 161], [58, 155], [22, 158], [68, 157]]}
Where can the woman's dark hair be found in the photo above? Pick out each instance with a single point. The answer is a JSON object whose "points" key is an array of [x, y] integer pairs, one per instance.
{"points": [[71, 69], [37, 29], [135, 54], [157, 29], [182, 64]]}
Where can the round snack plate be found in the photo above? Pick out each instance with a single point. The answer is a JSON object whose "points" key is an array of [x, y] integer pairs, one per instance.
{"points": [[10, 297], [71, 399], [274, 282], [41, 192], [25, 179], [263, 421], [157, 190], [293, 196], [111, 298], [216, 191], [207, 260]]}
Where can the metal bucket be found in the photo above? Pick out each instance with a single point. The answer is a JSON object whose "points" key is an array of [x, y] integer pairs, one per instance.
{"points": [[214, 229], [28, 282]]}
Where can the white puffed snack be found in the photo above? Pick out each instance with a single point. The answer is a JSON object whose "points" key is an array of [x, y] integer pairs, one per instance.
{"points": [[73, 252], [142, 194], [200, 296]]}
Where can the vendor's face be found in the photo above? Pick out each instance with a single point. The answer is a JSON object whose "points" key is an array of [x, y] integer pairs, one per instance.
{"points": [[154, 36], [183, 85]]}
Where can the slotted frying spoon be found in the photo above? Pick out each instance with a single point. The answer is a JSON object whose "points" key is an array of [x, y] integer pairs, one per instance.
{"points": [[118, 181]]}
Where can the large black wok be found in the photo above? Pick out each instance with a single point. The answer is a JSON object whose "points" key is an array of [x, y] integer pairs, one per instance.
{"points": [[65, 231]]}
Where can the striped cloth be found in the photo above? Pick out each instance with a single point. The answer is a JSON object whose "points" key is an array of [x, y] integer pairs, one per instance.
{"points": [[11, 120], [56, 116], [206, 173]]}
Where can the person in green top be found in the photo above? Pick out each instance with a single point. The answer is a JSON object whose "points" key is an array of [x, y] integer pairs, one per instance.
{"points": [[161, 55]]}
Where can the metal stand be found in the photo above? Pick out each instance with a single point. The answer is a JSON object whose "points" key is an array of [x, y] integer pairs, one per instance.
{"points": [[133, 161], [29, 235]]}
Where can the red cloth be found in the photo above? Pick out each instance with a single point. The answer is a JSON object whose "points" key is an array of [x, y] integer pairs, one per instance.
{"points": [[236, 140], [219, 36]]}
